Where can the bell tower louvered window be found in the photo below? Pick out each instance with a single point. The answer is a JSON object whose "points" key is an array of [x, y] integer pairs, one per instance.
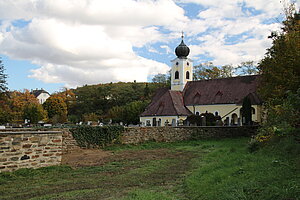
{"points": [[176, 75], [187, 75]]}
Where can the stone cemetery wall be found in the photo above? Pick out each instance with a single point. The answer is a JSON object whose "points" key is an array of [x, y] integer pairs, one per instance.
{"points": [[33, 149], [30, 149], [137, 135]]}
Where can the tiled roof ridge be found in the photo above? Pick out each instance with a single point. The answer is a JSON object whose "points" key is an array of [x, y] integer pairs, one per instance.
{"points": [[214, 79]]}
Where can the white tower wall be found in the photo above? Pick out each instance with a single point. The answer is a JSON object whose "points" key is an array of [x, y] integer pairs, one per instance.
{"points": [[182, 66]]}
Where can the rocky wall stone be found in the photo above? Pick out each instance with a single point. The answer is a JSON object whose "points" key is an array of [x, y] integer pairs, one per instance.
{"points": [[69, 143], [30, 149], [135, 135]]}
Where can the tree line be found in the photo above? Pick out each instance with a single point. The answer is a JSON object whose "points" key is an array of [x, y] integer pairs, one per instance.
{"points": [[208, 70], [112, 102], [279, 88], [280, 81]]}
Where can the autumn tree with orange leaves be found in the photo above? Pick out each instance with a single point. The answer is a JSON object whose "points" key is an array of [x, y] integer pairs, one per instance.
{"points": [[21, 105]]}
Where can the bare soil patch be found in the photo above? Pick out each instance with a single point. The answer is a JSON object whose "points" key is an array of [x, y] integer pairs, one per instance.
{"points": [[85, 157], [97, 157]]}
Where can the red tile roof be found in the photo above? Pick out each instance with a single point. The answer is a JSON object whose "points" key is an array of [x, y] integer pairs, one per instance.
{"points": [[166, 103], [222, 91], [205, 92]]}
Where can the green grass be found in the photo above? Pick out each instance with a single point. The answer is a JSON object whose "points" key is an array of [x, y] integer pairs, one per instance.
{"points": [[210, 169], [231, 172]]}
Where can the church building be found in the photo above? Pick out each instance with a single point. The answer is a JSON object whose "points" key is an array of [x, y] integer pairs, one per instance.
{"points": [[223, 97]]}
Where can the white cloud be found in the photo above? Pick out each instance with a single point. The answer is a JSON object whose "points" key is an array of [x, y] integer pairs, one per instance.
{"points": [[137, 70], [167, 49], [234, 31], [86, 42], [91, 41]]}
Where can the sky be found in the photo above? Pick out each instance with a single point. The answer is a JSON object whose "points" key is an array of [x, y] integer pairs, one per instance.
{"points": [[53, 44]]}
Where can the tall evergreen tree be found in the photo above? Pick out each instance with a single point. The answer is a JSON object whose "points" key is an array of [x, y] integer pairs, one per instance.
{"points": [[246, 111]]}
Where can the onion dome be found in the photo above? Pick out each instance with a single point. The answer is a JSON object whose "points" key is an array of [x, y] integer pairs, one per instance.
{"points": [[182, 51]]}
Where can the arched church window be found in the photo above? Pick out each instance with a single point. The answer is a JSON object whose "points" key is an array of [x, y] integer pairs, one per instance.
{"points": [[176, 63], [187, 75], [176, 75], [188, 63]]}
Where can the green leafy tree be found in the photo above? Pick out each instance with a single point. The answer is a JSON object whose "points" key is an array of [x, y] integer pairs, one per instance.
{"points": [[133, 110], [195, 120], [34, 113], [280, 68], [247, 68], [5, 116], [209, 118], [246, 111], [73, 119], [210, 71], [163, 79], [146, 91], [280, 80], [100, 99], [129, 113], [116, 113], [227, 71], [91, 117], [206, 71], [3, 76], [56, 109]]}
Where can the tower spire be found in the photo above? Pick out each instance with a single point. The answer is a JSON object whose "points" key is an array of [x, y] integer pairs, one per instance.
{"points": [[182, 51], [182, 67]]}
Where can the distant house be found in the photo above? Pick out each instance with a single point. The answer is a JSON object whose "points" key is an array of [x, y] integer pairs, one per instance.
{"points": [[222, 97], [41, 95]]}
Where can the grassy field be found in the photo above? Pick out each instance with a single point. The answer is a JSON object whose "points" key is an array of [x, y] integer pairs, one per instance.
{"points": [[211, 169]]}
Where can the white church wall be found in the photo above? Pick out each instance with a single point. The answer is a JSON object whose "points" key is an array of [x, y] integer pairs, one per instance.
{"points": [[224, 109]]}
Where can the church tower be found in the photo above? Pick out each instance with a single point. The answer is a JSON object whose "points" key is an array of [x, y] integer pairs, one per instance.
{"points": [[182, 67]]}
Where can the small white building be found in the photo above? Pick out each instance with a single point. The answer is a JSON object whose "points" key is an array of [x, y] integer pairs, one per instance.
{"points": [[41, 95]]}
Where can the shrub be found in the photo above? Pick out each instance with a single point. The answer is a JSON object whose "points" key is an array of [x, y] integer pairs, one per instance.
{"points": [[210, 118], [90, 136], [282, 119], [205, 119]]}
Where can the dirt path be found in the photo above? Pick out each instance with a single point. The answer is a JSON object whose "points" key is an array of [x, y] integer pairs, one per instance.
{"points": [[97, 157]]}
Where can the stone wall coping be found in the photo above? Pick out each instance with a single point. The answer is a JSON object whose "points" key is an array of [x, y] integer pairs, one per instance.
{"points": [[29, 132], [155, 127]]}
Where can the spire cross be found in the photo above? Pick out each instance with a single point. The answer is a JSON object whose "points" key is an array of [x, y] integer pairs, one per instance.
{"points": [[182, 35]]}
